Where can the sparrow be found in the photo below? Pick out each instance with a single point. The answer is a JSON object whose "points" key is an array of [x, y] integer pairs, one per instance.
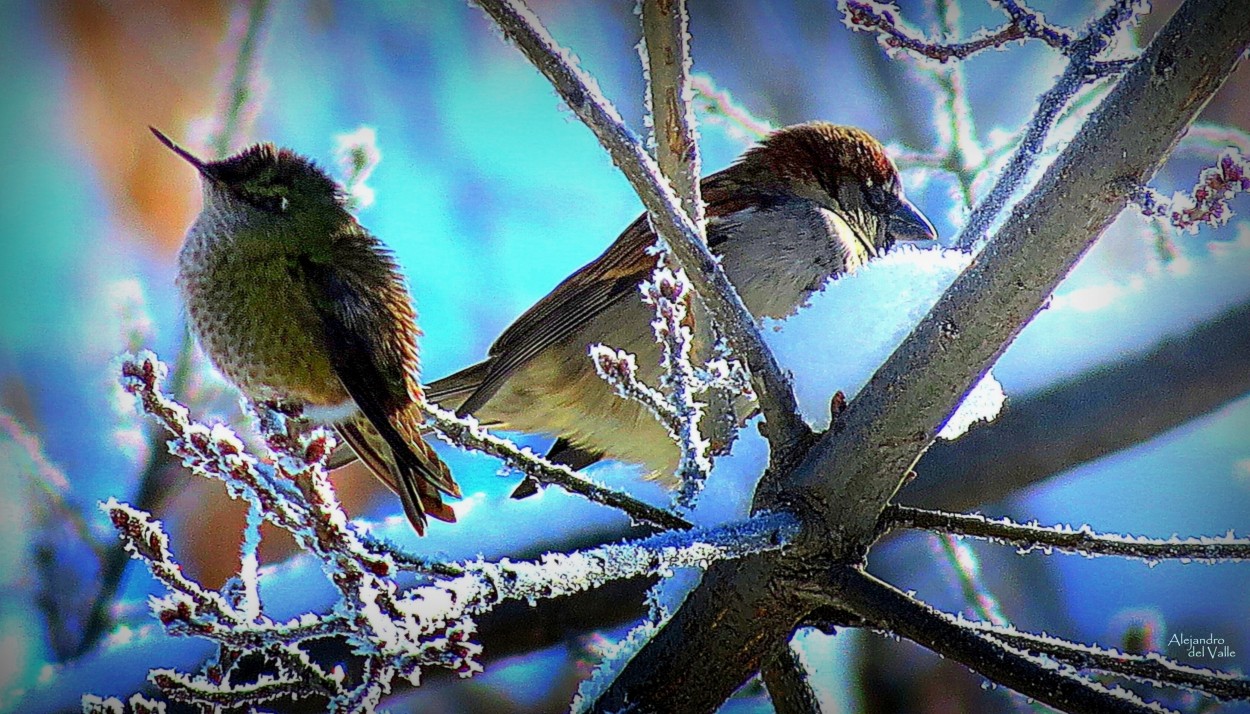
{"points": [[810, 202], [293, 301]]}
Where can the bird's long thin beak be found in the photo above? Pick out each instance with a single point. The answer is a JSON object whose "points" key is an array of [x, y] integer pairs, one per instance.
{"points": [[907, 223], [191, 158]]}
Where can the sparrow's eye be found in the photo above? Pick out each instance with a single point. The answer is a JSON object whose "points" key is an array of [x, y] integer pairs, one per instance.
{"points": [[882, 198]]}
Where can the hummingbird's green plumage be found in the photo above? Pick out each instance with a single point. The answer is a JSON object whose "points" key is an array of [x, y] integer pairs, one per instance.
{"points": [[292, 299]]}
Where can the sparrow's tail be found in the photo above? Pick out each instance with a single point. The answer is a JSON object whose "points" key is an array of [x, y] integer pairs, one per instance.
{"points": [[451, 391]]}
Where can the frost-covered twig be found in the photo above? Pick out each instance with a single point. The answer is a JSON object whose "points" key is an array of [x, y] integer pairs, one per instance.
{"points": [[1083, 68], [1150, 667], [895, 35], [719, 107], [580, 92], [1083, 540], [665, 51], [884, 608], [138, 704], [382, 625], [1207, 202], [466, 432], [1081, 56], [397, 633], [674, 404]]}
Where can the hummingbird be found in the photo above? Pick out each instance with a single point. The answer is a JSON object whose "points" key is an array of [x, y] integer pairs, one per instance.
{"points": [[294, 301]]}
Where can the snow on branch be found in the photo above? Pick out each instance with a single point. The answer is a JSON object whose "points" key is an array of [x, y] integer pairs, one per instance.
{"points": [[1207, 202], [1149, 667], [138, 704], [397, 633], [1083, 540], [674, 405]]}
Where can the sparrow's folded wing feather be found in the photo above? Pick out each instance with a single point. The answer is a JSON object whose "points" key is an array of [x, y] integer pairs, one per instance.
{"points": [[585, 294]]}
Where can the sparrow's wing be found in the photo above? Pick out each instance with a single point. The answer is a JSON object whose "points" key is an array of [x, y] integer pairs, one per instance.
{"points": [[561, 452], [585, 294], [370, 335], [579, 299]]}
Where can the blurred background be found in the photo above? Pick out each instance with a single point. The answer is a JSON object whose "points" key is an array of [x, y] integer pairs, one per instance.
{"points": [[1125, 397]]}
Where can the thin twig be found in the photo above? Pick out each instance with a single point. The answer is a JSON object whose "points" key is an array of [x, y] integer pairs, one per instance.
{"points": [[467, 433], [885, 608], [1082, 540], [1149, 667], [1022, 24], [1075, 76], [666, 57]]}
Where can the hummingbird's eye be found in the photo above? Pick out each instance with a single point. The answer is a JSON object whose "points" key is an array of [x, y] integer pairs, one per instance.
{"points": [[270, 197]]}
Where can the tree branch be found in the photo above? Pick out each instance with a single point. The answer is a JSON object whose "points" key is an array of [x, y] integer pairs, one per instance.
{"points": [[788, 685], [1149, 667], [466, 433], [666, 56], [902, 407], [1095, 414], [840, 488], [1081, 540], [885, 608]]}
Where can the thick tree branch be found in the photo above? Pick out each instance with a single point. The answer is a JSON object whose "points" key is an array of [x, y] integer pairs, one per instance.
{"points": [[857, 466], [1095, 414], [847, 478], [788, 683], [776, 397]]}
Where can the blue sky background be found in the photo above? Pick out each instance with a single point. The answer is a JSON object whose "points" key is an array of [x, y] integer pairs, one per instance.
{"points": [[490, 192]]}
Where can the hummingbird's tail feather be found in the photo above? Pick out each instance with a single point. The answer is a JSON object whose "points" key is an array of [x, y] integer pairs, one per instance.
{"points": [[451, 391], [419, 480]]}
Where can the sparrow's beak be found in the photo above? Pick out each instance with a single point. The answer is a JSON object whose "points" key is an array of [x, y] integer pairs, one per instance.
{"points": [[192, 159], [907, 223]]}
